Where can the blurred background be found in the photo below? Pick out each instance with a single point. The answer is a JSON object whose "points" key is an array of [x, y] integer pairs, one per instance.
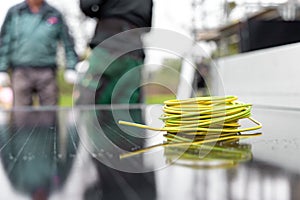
{"points": [[220, 28]]}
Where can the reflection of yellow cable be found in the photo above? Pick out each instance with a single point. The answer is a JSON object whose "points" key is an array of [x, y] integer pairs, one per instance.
{"points": [[201, 120]]}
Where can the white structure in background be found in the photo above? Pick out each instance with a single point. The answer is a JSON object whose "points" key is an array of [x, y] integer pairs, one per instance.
{"points": [[268, 77], [208, 15]]}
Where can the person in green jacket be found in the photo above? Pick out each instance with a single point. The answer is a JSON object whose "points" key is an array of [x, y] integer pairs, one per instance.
{"points": [[28, 46]]}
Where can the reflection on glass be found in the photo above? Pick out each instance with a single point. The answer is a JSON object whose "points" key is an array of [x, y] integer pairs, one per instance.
{"points": [[105, 140], [115, 184], [28, 156], [40, 159], [206, 156], [43, 158]]}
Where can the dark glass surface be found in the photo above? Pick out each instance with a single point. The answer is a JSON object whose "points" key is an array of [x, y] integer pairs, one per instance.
{"points": [[75, 154]]}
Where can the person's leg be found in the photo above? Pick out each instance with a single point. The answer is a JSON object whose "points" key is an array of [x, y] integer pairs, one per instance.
{"points": [[88, 88], [124, 88], [110, 79], [46, 86], [22, 87], [127, 88]]}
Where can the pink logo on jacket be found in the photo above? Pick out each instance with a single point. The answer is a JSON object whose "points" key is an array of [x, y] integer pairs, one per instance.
{"points": [[52, 20]]}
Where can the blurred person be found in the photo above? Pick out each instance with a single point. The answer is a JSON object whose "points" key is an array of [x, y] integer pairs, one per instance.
{"points": [[116, 39], [28, 46], [46, 159]]}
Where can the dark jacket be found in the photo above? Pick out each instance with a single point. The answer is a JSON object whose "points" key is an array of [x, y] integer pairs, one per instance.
{"points": [[116, 16], [137, 12], [30, 40]]}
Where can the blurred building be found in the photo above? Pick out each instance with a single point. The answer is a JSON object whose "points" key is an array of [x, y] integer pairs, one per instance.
{"points": [[246, 25]]}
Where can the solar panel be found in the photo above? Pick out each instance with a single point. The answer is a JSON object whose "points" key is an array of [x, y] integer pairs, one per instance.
{"points": [[60, 153]]}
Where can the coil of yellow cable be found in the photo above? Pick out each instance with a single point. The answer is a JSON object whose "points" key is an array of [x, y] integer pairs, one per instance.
{"points": [[201, 120]]}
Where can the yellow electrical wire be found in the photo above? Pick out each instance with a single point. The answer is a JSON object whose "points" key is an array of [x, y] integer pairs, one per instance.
{"points": [[201, 120]]}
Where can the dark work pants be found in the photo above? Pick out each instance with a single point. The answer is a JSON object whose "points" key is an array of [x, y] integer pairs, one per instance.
{"points": [[29, 81]]}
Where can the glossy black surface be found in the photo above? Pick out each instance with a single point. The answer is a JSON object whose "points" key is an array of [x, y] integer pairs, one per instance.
{"points": [[75, 154]]}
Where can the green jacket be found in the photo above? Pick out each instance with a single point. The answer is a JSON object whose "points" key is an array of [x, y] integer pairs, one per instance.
{"points": [[30, 40]]}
